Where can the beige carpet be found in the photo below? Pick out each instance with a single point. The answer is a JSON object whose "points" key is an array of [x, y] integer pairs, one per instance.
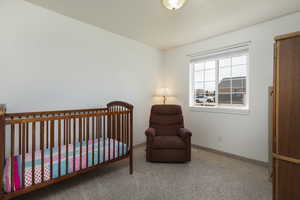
{"points": [[208, 176]]}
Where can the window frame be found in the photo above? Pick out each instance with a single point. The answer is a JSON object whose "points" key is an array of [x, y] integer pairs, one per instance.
{"points": [[216, 55]]}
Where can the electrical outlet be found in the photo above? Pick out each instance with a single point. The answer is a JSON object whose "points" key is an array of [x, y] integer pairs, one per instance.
{"points": [[220, 139]]}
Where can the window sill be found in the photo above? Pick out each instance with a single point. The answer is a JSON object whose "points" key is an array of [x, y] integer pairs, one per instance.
{"points": [[219, 109]]}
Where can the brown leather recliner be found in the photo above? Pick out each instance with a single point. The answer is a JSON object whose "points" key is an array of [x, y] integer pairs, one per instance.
{"points": [[167, 139]]}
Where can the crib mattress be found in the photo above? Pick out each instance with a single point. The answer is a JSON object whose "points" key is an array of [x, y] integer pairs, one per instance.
{"points": [[120, 150]]}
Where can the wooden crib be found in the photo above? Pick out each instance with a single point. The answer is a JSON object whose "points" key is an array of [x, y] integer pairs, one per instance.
{"points": [[42, 148]]}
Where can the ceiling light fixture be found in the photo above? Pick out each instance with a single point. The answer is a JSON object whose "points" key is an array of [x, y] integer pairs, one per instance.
{"points": [[173, 4]]}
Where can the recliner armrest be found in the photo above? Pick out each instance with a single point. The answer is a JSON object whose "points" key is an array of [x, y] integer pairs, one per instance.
{"points": [[184, 133], [150, 132]]}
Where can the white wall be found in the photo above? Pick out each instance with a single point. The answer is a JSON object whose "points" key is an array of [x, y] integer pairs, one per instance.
{"points": [[244, 135], [49, 61]]}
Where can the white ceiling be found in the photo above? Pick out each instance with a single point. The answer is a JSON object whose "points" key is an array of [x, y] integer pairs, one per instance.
{"points": [[148, 22]]}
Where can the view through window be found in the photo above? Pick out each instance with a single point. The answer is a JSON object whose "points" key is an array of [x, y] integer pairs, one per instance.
{"points": [[220, 80]]}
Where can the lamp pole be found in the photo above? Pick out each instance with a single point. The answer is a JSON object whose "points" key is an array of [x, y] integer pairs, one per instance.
{"points": [[165, 99]]}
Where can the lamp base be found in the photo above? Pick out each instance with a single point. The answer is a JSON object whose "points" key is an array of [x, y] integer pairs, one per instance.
{"points": [[165, 99]]}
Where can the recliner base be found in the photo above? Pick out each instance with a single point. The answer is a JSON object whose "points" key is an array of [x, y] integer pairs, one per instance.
{"points": [[168, 155]]}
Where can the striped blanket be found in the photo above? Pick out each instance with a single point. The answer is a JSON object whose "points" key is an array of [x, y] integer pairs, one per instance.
{"points": [[17, 162]]}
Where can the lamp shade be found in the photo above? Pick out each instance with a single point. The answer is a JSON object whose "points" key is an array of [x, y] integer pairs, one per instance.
{"points": [[2, 108], [163, 92], [173, 4]]}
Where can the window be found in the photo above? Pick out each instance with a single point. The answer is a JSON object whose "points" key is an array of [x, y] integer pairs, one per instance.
{"points": [[220, 80]]}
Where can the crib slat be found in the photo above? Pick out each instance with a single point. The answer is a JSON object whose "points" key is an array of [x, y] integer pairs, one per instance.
{"points": [[20, 138], [129, 128], [47, 134], [51, 147], [93, 140], [98, 127], [70, 132], [127, 131], [74, 143], [84, 128], [42, 141], [2, 146], [67, 146], [65, 131], [33, 154], [123, 132], [109, 133], [87, 141], [121, 128], [114, 133], [131, 143], [99, 135], [118, 130], [59, 148], [40, 135], [104, 133], [12, 155], [27, 137], [124, 129], [80, 141], [23, 153]]}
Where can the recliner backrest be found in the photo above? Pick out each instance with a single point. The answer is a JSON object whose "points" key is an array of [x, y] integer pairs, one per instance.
{"points": [[166, 119]]}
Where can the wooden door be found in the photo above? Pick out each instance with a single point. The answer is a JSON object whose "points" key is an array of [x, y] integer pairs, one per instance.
{"points": [[287, 118]]}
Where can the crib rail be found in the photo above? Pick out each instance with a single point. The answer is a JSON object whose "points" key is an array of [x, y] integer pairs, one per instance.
{"points": [[53, 113], [61, 144]]}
